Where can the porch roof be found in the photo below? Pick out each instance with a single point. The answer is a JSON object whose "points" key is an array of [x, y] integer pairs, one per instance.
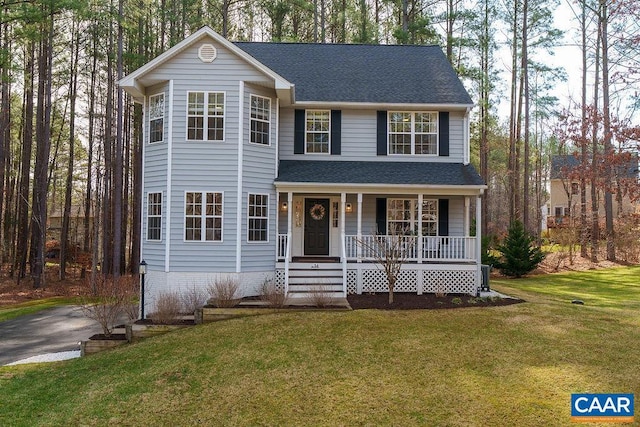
{"points": [[378, 173]]}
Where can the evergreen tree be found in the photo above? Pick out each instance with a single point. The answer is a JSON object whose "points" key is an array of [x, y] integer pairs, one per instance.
{"points": [[519, 255]]}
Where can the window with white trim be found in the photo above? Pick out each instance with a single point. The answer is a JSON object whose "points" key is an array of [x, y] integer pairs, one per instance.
{"points": [[318, 128], [205, 116], [154, 216], [260, 119], [203, 216], [413, 132], [258, 214], [156, 118], [402, 216]]}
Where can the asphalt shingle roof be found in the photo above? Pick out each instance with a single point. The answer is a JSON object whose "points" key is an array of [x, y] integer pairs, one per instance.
{"points": [[363, 73], [397, 173], [562, 165]]}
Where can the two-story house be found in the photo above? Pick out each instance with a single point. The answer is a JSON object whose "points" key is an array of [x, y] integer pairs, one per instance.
{"points": [[281, 160]]}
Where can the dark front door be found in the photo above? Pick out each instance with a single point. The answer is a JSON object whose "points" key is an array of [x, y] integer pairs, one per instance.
{"points": [[316, 226]]}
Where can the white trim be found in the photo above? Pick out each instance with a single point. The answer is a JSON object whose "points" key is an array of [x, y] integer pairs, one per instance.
{"points": [[239, 197], [203, 217], [380, 106], [132, 85], [167, 248], [156, 118], [413, 133], [144, 151], [415, 217], [435, 190], [206, 116], [258, 242], [213, 54], [154, 216], [252, 95]]}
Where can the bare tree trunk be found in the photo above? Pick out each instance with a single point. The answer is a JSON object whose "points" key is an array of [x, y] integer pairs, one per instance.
{"points": [[513, 118], [526, 206], [5, 138], [117, 182], [484, 115], [584, 229], [595, 216]]}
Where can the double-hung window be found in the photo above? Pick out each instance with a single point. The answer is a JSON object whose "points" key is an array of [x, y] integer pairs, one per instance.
{"points": [[260, 119], [205, 116], [318, 131], [258, 218], [154, 216], [156, 118], [203, 216], [413, 132], [403, 216]]}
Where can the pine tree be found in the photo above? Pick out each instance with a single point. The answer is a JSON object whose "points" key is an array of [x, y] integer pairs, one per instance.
{"points": [[519, 255]]}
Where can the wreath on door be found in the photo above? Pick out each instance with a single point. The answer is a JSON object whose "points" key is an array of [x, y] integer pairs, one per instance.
{"points": [[317, 212]]}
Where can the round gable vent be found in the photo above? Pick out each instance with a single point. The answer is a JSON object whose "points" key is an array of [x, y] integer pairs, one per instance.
{"points": [[207, 53]]}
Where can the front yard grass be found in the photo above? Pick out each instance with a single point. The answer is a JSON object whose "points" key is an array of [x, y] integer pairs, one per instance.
{"points": [[499, 366], [32, 307]]}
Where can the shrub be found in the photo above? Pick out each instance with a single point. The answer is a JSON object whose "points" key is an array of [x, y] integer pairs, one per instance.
{"points": [[320, 296], [105, 300], [167, 308], [193, 298], [224, 292], [270, 293], [519, 255]]}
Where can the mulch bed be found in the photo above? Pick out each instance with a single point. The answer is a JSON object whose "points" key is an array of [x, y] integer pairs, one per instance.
{"points": [[409, 301], [112, 337]]}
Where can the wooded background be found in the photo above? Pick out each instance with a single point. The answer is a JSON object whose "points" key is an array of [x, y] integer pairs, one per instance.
{"points": [[70, 141]]}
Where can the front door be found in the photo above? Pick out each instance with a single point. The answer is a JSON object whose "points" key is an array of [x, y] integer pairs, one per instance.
{"points": [[316, 226]]}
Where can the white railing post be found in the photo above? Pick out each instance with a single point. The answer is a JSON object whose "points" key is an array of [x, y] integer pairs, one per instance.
{"points": [[359, 231], [287, 257], [343, 207], [419, 246], [479, 241]]}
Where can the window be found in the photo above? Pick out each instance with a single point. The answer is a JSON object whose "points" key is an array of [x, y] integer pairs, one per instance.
{"points": [[203, 216], [154, 216], [413, 133], [402, 216], [575, 188], [156, 118], [317, 131], [205, 116], [260, 119], [335, 214], [258, 218]]}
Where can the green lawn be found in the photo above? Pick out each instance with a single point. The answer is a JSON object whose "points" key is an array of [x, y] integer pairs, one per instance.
{"points": [[31, 307], [500, 366]]}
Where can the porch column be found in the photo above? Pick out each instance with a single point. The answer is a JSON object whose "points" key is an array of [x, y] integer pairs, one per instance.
{"points": [[343, 208], [277, 239], [359, 232], [478, 241], [420, 203], [287, 254], [467, 224]]}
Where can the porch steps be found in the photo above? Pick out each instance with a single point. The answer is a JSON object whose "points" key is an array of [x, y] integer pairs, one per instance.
{"points": [[313, 280]]}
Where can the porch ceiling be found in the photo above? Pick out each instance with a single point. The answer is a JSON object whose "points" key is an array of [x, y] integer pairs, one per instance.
{"points": [[443, 178]]}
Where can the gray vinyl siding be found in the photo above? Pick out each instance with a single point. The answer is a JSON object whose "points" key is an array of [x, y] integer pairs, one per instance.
{"points": [[359, 139], [259, 163], [153, 252]]}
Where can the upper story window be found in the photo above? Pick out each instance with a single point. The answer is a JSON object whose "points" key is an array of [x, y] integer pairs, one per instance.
{"points": [[258, 218], [318, 128], [260, 119], [203, 216], [156, 118], [575, 188], [154, 216], [205, 116], [402, 216], [413, 132]]}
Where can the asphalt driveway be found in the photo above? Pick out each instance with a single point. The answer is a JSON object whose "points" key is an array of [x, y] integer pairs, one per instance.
{"points": [[49, 331]]}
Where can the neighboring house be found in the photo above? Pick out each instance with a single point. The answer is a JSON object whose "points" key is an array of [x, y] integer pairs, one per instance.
{"points": [[76, 225], [564, 194], [275, 159]]}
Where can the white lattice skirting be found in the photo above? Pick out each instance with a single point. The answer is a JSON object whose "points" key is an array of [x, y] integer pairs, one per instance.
{"points": [[461, 279]]}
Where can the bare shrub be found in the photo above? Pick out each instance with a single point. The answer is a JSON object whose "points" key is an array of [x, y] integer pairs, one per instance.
{"points": [[224, 292], [167, 308], [270, 293], [320, 296], [106, 300], [627, 240], [193, 298]]}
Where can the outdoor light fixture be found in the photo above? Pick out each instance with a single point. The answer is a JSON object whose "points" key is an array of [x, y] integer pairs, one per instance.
{"points": [[142, 269], [349, 208], [284, 206]]}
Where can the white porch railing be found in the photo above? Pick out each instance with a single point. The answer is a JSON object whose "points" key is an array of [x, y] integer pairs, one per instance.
{"points": [[434, 248], [282, 246]]}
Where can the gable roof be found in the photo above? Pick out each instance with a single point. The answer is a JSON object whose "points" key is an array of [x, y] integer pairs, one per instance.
{"points": [[562, 165], [363, 73], [375, 172]]}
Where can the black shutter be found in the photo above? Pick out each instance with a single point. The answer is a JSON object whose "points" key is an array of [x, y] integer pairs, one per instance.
{"points": [[336, 131], [381, 215], [298, 135], [443, 217], [443, 130], [382, 133]]}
